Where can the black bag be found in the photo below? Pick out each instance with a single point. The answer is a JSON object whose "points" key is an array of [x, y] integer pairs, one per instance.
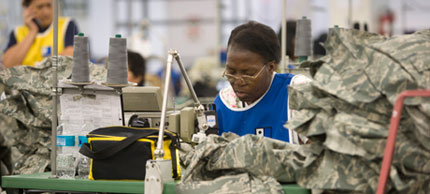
{"points": [[120, 153]]}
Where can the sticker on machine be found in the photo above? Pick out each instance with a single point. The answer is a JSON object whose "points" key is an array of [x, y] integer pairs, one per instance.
{"points": [[211, 120]]}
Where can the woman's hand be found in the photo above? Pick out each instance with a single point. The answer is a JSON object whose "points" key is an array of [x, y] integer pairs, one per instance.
{"points": [[29, 19]]}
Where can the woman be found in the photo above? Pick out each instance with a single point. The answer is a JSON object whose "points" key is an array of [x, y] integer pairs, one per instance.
{"points": [[256, 102], [136, 68], [30, 43]]}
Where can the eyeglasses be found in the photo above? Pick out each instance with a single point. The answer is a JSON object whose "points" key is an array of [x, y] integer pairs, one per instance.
{"points": [[243, 78]]}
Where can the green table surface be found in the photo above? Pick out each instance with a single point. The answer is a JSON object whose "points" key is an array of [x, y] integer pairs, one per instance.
{"points": [[41, 181]]}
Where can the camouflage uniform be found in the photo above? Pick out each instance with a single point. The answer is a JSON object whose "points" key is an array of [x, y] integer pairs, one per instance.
{"points": [[5, 150], [28, 107], [345, 112], [249, 164]]}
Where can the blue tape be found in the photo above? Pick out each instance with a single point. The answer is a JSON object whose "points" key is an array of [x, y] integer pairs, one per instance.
{"points": [[65, 140], [82, 140]]}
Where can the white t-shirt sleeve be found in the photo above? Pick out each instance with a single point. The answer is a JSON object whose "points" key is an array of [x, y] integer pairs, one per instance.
{"points": [[294, 137]]}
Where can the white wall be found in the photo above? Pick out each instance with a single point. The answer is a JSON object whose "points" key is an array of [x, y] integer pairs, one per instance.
{"points": [[410, 15], [361, 11], [99, 27], [10, 17], [195, 34]]}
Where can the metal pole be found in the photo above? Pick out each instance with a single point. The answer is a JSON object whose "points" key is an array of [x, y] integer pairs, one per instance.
{"points": [[54, 95], [392, 133], [283, 35], [187, 79], [130, 17], [218, 21], [350, 14], [159, 153]]}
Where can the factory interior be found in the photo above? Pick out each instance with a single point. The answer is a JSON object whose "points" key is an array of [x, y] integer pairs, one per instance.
{"points": [[215, 96]]}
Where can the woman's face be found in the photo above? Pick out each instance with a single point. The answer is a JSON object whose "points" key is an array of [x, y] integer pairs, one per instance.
{"points": [[242, 62], [43, 11]]}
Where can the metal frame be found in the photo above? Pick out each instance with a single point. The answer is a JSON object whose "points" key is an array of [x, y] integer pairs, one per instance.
{"points": [[54, 96], [201, 119], [284, 36], [391, 139], [158, 171]]}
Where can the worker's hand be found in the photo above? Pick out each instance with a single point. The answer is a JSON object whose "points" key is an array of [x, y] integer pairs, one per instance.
{"points": [[29, 19]]}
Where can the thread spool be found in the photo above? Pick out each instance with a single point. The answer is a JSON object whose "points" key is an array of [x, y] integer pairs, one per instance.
{"points": [[80, 68], [117, 61], [303, 46]]}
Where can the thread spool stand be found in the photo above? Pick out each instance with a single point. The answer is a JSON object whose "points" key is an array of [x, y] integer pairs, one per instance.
{"points": [[80, 69], [117, 67]]}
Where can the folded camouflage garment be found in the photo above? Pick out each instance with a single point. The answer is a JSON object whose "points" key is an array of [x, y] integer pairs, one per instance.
{"points": [[345, 112], [248, 164], [28, 110], [347, 109]]}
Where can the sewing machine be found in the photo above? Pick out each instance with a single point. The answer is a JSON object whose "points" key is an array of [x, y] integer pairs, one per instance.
{"points": [[142, 107]]}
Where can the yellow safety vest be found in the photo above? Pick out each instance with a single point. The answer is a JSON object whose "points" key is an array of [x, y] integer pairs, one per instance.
{"points": [[43, 43]]}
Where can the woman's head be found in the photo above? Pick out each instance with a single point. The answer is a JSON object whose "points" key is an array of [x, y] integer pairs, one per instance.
{"points": [[257, 38], [253, 53], [136, 68], [41, 9]]}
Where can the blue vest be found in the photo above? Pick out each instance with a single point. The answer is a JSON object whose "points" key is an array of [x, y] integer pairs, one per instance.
{"points": [[266, 118]]}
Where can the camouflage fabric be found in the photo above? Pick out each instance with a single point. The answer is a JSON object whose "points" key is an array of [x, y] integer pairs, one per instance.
{"points": [[348, 106], [5, 150], [248, 164], [28, 111]]}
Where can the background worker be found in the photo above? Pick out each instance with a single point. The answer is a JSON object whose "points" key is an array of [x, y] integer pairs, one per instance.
{"points": [[30, 43], [137, 71], [256, 102], [136, 68]]}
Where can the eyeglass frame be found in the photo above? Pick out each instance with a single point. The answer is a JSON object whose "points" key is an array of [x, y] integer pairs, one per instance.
{"points": [[241, 77]]}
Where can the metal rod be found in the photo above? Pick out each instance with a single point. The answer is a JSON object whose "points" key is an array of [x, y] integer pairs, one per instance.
{"points": [[54, 95], [130, 17], [159, 153], [403, 10], [391, 139], [218, 23], [283, 35], [350, 14], [187, 79]]}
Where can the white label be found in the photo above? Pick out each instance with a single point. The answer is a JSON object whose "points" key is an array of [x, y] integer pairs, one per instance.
{"points": [[211, 120], [259, 132]]}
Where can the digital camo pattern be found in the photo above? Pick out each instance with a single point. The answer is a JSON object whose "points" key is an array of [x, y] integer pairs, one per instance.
{"points": [[27, 111], [347, 109], [345, 112], [5, 150], [248, 164]]}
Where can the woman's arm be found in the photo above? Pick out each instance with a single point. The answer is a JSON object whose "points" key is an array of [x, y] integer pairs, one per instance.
{"points": [[16, 54]]}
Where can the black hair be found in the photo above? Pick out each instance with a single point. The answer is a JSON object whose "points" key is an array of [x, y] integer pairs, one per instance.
{"points": [[290, 38], [319, 50], [257, 38], [137, 65], [26, 3]]}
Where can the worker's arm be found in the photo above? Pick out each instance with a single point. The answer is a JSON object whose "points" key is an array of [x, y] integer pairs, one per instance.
{"points": [[68, 51], [16, 54], [294, 136]]}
